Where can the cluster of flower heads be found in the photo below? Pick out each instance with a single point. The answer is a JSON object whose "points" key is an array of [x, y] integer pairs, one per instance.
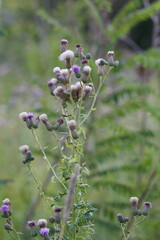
{"points": [[135, 210], [42, 224], [69, 85], [6, 213]]}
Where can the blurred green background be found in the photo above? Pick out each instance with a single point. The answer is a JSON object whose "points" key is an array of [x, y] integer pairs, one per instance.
{"points": [[122, 149]]}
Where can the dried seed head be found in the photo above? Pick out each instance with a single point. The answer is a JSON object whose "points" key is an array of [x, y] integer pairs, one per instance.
{"points": [[6, 201], [110, 53], [23, 116], [134, 201], [56, 70], [66, 55], [87, 69], [72, 124], [58, 91], [24, 149], [64, 72], [43, 117], [42, 223]]}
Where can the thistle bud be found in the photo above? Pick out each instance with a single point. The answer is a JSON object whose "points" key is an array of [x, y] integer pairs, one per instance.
{"points": [[52, 219], [86, 73], [147, 205], [58, 215], [74, 92], [72, 126], [28, 157], [58, 92], [29, 120], [36, 123], [59, 122], [8, 227], [77, 50], [88, 56], [120, 218], [64, 43], [32, 226], [139, 212], [84, 62], [126, 219]]}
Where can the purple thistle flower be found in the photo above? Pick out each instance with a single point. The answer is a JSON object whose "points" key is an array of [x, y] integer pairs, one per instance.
{"points": [[5, 208], [44, 231], [148, 204], [75, 68], [30, 115]]}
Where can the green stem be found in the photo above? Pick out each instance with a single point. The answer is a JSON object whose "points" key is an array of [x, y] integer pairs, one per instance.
{"points": [[14, 229], [38, 185], [124, 234], [45, 158], [94, 101], [11, 235]]}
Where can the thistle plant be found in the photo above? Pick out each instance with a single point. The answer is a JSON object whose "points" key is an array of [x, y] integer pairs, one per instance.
{"points": [[70, 89], [137, 216]]}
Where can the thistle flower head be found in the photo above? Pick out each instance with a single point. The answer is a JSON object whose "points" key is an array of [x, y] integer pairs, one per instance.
{"points": [[57, 210], [110, 53], [52, 82], [56, 70], [64, 72], [31, 224], [87, 69], [44, 231], [68, 54], [72, 124], [64, 42], [75, 68], [84, 62], [42, 223], [24, 149], [100, 62], [79, 85], [30, 115], [78, 45], [23, 116], [43, 117], [148, 204], [134, 201], [6, 201], [5, 208]]}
